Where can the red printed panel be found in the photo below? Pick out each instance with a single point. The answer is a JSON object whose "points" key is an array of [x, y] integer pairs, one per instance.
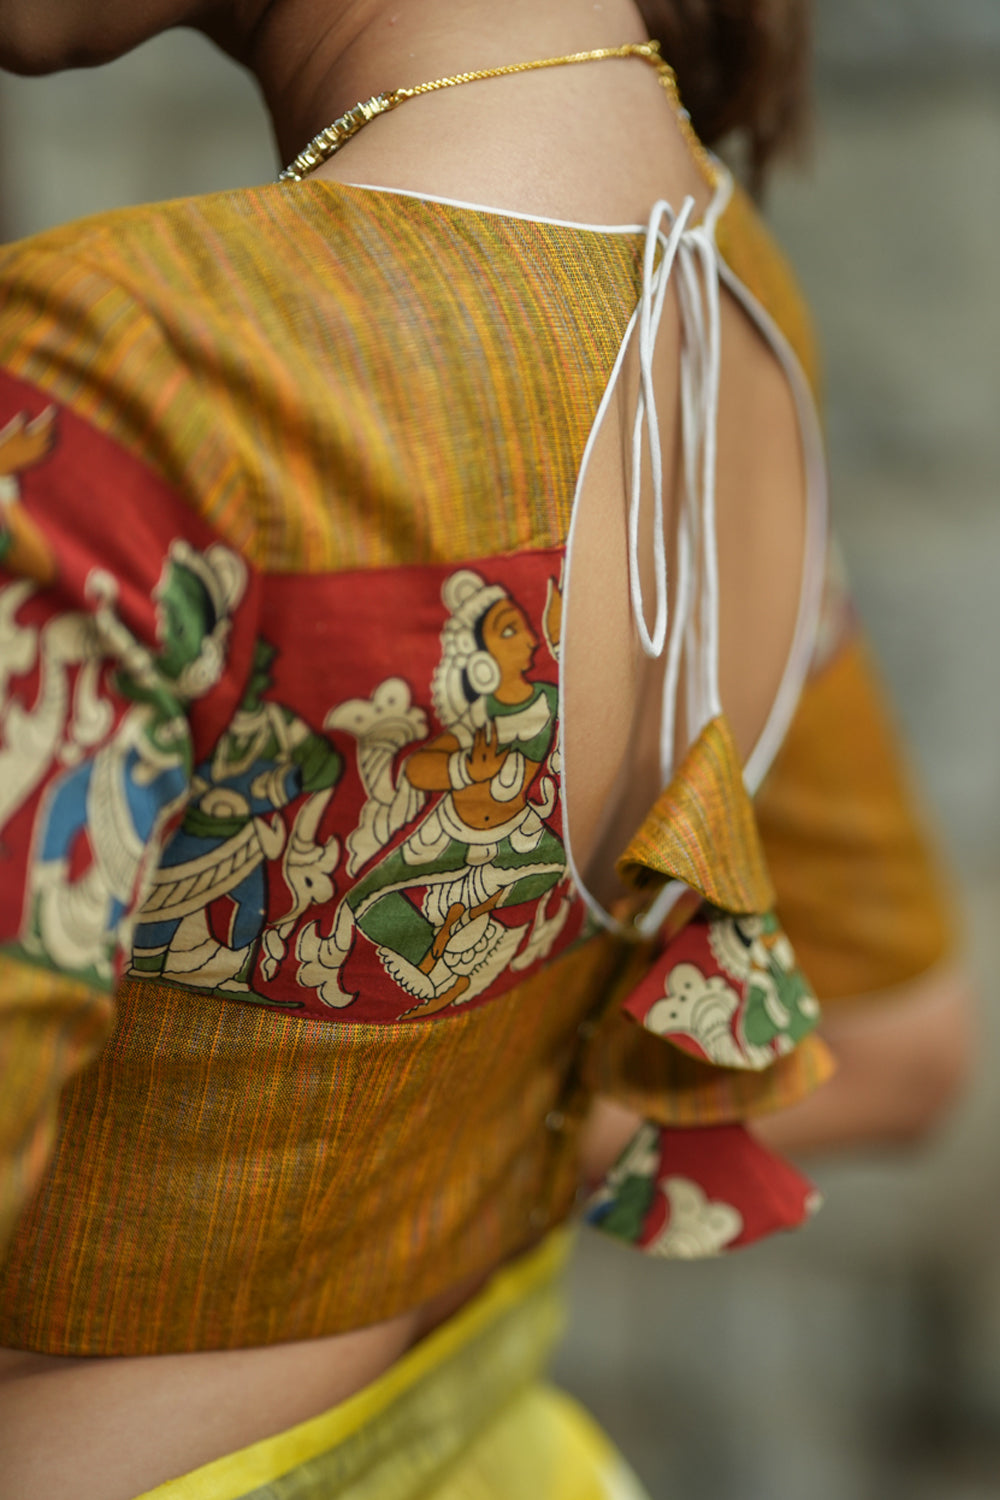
{"points": [[126, 630], [691, 1194], [728, 991], [361, 770], [377, 835]]}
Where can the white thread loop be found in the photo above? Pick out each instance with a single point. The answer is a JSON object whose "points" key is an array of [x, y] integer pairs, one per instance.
{"points": [[686, 626], [655, 280], [706, 252]]}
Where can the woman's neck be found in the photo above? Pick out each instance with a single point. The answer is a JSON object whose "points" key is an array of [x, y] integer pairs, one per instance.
{"points": [[314, 60]]}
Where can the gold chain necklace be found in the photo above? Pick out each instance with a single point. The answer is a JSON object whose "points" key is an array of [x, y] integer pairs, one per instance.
{"points": [[330, 140]]}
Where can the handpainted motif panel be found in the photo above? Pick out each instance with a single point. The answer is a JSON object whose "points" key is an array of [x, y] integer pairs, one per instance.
{"points": [[377, 835]]}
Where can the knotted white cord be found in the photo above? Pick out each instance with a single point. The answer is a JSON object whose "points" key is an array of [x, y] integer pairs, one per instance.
{"points": [[693, 621], [705, 253], [655, 280]]}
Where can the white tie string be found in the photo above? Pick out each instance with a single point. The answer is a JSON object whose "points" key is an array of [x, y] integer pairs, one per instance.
{"points": [[691, 626], [704, 250], [655, 280]]}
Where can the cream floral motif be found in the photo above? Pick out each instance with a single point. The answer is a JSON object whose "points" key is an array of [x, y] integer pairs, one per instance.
{"points": [[117, 783], [698, 1227], [382, 725], [544, 933], [429, 905], [754, 950], [703, 1007], [320, 958], [478, 951], [737, 944]]}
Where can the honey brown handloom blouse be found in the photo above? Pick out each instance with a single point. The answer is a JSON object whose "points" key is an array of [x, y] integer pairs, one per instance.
{"points": [[290, 1043]]}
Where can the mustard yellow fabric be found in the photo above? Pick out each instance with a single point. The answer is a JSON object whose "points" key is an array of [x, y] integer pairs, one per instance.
{"points": [[860, 888], [222, 1175], [665, 1085], [50, 1030], [227, 1176], [701, 830], [237, 343]]}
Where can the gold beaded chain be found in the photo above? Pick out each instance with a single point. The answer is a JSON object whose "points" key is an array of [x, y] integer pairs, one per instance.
{"points": [[330, 140]]}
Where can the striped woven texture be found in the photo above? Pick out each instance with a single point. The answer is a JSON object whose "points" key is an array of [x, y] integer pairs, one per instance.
{"points": [[222, 1175], [49, 1028], [859, 888], [702, 830], [285, 360], [229, 1176], [278, 353], [665, 1085]]}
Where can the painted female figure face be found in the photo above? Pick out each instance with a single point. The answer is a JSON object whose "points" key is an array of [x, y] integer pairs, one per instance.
{"points": [[509, 639]]}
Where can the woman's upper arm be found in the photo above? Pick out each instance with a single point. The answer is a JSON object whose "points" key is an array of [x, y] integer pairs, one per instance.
{"points": [[866, 899], [124, 639]]}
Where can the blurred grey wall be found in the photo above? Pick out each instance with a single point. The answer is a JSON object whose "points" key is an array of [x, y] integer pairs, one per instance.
{"points": [[861, 1358], [173, 118]]}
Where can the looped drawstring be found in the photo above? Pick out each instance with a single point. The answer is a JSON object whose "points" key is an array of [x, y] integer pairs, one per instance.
{"points": [[655, 280], [691, 627]]}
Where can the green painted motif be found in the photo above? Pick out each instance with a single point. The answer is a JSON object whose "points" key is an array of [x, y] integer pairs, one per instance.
{"points": [[205, 922], [118, 775], [627, 1214], [795, 1014]]}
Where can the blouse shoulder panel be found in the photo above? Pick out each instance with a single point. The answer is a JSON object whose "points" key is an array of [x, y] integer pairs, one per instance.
{"points": [[78, 324], [122, 634], [275, 352]]}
